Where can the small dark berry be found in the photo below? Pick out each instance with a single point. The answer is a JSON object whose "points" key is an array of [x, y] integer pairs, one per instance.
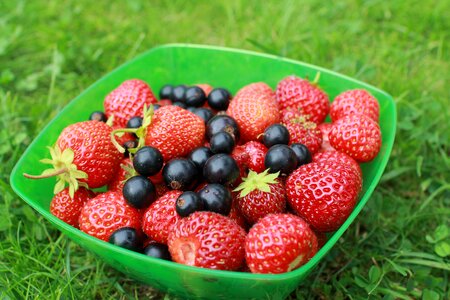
{"points": [[280, 158], [139, 191], [302, 153], [179, 93], [187, 203], [205, 113], [148, 161], [219, 99], [158, 250], [166, 92], [134, 122], [216, 198], [276, 134], [98, 116], [220, 123], [129, 145], [180, 104], [195, 96], [199, 156], [222, 142], [221, 168], [125, 237], [180, 174]]}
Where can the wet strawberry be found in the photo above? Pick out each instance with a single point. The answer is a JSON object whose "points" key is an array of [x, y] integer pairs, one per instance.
{"points": [[68, 208]]}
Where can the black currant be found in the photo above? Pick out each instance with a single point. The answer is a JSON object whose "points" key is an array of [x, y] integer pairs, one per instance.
{"points": [[302, 153], [148, 161], [280, 158], [125, 237], [180, 104], [195, 96], [129, 145], [180, 174], [220, 168], [157, 250], [220, 123], [166, 92], [179, 93], [219, 99], [205, 113], [199, 156], [187, 203], [156, 106], [134, 122], [98, 116], [216, 198], [222, 142], [192, 109], [139, 191], [276, 134]]}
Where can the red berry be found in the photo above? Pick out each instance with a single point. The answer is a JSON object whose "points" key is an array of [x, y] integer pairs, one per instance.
{"points": [[358, 136], [128, 101], [299, 93], [208, 240], [256, 152], [325, 128], [279, 243], [339, 158], [258, 87], [160, 217], [68, 209], [355, 102], [205, 87], [323, 193], [122, 174], [106, 213], [235, 214], [306, 133]]}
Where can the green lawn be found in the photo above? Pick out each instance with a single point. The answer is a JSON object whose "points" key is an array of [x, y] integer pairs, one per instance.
{"points": [[398, 248]]}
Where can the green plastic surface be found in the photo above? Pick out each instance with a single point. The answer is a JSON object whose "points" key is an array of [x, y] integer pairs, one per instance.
{"points": [[220, 67]]}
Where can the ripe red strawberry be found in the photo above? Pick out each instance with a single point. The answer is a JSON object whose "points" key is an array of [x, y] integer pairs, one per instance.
{"points": [[241, 158], [260, 194], [123, 138], [298, 93], [355, 102], [175, 132], [125, 171], [323, 193], [106, 213], [306, 133], [358, 136], [253, 111], [325, 128], [256, 153], [339, 158], [68, 208], [161, 189], [128, 101], [258, 87], [164, 102], [205, 87], [160, 217], [279, 243], [235, 214], [208, 240], [292, 114]]}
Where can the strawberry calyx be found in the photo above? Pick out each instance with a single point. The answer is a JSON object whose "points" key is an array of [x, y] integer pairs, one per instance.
{"points": [[257, 181], [140, 132], [64, 169]]}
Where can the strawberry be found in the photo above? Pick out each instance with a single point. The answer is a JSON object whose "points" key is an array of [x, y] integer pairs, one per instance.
{"points": [[235, 214], [306, 133], [205, 87], [164, 102], [323, 193], [68, 208], [254, 111], [339, 158], [106, 213], [299, 93], [161, 189], [160, 217], [358, 136], [241, 158], [207, 240], [256, 153], [175, 132], [289, 113], [279, 243], [355, 102], [325, 128], [125, 171], [258, 87], [260, 194], [128, 101]]}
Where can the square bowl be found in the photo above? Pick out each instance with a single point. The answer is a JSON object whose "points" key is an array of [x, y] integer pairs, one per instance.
{"points": [[191, 64]]}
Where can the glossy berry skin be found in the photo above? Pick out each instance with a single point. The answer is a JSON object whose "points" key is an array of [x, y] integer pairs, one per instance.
{"points": [[94, 153], [179, 93], [222, 142], [205, 113], [279, 243], [125, 237], [129, 145], [195, 96], [68, 209], [324, 194], [219, 99], [148, 161], [205, 87], [339, 158], [298, 93], [175, 132], [187, 203], [180, 104], [139, 192], [134, 122], [157, 250], [302, 153], [256, 152], [281, 158], [275, 134], [116, 184], [199, 156], [355, 102], [166, 92], [257, 87], [216, 198], [180, 174], [208, 240], [98, 116], [357, 136], [160, 217], [220, 168], [220, 123], [106, 213], [325, 128], [128, 101], [254, 112], [306, 133]]}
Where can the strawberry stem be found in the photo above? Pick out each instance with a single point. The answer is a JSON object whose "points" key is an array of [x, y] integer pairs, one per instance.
{"points": [[46, 175], [118, 131]]}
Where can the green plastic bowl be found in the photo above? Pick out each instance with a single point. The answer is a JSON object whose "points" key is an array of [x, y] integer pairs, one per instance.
{"points": [[190, 64]]}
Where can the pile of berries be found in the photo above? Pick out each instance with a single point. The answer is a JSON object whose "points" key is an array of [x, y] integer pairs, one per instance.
{"points": [[249, 183]]}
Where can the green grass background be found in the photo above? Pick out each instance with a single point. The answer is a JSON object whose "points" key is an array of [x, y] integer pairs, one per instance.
{"points": [[398, 248]]}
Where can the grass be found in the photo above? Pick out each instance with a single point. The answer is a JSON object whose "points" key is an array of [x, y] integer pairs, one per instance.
{"points": [[399, 246]]}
